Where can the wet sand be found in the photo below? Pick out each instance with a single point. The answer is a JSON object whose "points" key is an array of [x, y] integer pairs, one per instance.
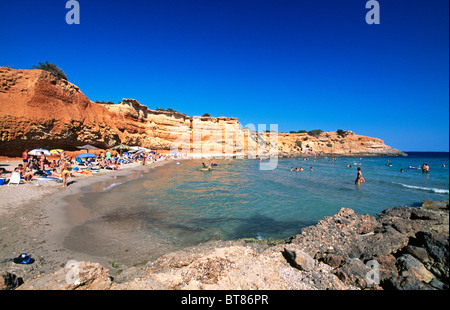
{"points": [[37, 217]]}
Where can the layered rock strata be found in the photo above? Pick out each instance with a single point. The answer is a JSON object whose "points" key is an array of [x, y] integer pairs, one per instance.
{"points": [[38, 110]]}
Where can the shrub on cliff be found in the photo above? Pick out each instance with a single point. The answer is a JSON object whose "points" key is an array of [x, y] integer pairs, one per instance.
{"points": [[167, 110], [342, 133], [52, 68], [315, 132]]}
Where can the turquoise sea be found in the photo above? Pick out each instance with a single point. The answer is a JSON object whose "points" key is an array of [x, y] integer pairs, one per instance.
{"points": [[176, 205]]}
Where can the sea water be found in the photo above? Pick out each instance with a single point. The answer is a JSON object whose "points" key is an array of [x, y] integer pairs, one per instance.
{"points": [[177, 205]]}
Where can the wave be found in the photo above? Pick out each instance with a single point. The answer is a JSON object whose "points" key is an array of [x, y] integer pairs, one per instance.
{"points": [[115, 184], [430, 189]]}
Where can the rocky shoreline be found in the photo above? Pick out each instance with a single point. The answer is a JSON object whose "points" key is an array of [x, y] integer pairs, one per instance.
{"points": [[404, 248]]}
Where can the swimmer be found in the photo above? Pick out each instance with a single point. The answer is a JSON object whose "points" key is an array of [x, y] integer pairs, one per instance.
{"points": [[359, 177]]}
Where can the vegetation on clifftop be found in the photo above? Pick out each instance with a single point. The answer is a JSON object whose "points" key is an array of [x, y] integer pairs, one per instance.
{"points": [[52, 68]]}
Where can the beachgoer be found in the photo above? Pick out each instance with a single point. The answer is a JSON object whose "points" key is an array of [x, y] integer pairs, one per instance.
{"points": [[25, 156], [27, 175], [310, 169], [425, 168], [359, 177], [42, 161], [65, 171], [401, 170], [3, 171]]}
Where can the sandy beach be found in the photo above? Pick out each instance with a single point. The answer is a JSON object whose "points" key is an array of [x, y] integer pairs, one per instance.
{"points": [[35, 218]]}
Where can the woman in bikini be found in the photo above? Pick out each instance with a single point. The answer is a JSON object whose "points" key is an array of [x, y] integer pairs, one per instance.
{"points": [[359, 177], [65, 171]]}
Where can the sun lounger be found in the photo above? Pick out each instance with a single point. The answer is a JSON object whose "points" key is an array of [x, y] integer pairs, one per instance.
{"points": [[15, 178]]}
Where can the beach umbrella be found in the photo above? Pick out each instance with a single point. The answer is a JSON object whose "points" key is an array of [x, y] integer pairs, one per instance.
{"points": [[56, 151], [87, 147], [121, 147], [39, 152], [87, 155]]}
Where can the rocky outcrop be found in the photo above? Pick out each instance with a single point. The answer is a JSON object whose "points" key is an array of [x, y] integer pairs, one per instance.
{"points": [[331, 143], [404, 248], [39, 110]]}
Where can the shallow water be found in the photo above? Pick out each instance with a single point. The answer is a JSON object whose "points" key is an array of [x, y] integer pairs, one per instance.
{"points": [[147, 214]]}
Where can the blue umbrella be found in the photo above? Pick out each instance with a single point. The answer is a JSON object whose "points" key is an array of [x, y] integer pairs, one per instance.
{"points": [[87, 155]]}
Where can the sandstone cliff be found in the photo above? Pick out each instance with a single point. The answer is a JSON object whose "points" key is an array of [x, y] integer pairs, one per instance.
{"points": [[39, 110]]}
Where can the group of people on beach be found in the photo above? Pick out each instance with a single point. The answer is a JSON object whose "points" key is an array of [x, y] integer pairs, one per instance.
{"points": [[65, 166]]}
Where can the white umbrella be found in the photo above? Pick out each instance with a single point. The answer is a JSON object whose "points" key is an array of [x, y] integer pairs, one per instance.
{"points": [[39, 152]]}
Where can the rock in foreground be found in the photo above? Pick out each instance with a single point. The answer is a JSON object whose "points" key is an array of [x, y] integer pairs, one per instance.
{"points": [[405, 248]]}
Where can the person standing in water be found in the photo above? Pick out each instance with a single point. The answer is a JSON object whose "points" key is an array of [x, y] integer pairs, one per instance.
{"points": [[359, 177]]}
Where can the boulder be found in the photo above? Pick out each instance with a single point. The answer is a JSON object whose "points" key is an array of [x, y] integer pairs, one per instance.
{"points": [[299, 259], [86, 276], [9, 281], [353, 272], [404, 283], [408, 265]]}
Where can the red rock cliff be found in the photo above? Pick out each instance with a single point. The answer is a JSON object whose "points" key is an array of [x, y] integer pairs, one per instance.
{"points": [[39, 110]]}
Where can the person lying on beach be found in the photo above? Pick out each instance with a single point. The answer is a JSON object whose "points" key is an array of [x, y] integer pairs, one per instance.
{"points": [[3, 171], [55, 173], [113, 165]]}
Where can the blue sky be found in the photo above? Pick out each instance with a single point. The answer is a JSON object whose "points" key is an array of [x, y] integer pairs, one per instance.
{"points": [[299, 64]]}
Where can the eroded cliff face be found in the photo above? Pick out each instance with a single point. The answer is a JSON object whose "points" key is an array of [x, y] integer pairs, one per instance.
{"points": [[330, 143], [39, 110]]}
